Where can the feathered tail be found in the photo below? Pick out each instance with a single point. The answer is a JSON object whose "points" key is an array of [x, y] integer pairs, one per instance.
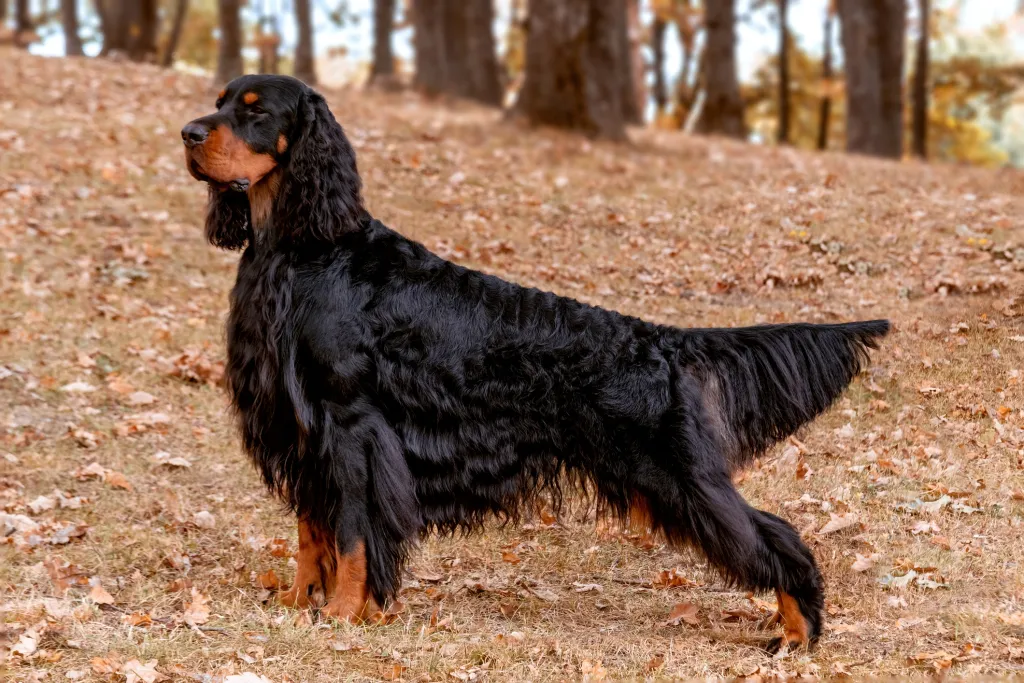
{"points": [[762, 383]]}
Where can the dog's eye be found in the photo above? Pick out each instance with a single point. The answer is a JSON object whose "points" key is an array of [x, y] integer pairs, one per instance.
{"points": [[257, 112]]}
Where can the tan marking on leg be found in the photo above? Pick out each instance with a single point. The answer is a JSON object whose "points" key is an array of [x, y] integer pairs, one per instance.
{"points": [[794, 625], [351, 599], [309, 577]]}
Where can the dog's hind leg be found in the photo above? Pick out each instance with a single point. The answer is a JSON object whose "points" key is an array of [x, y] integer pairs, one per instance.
{"points": [[314, 575], [757, 551], [350, 597]]}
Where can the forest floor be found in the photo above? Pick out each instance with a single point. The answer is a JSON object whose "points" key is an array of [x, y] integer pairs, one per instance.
{"points": [[137, 543]]}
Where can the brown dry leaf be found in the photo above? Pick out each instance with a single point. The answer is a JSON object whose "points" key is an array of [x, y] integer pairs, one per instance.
{"points": [[510, 557], [119, 386], [864, 562], [392, 671], [268, 580], [142, 619], [508, 609], [197, 611], [838, 523], [593, 671], [100, 596], [671, 578], [106, 665], [135, 671], [655, 663], [140, 398], [279, 547], [117, 480], [682, 612]]}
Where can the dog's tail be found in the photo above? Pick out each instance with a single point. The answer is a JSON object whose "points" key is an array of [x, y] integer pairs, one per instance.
{"points": [[760, 384]]}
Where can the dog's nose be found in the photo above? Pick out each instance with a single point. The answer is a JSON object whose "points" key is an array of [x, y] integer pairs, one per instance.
{"points": [[194, 134]]}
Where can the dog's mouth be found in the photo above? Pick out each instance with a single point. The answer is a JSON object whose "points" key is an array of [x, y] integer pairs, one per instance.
{"points": [[236, 185]]}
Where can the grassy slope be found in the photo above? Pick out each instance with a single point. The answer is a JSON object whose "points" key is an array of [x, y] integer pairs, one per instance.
{"points": [[105, 280]]}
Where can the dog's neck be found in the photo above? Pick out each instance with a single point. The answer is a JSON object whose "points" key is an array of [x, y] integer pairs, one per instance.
{"points": [[262, 196]]}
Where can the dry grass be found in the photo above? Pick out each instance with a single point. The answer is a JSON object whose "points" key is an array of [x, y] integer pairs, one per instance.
{"points": [[106, 281]]}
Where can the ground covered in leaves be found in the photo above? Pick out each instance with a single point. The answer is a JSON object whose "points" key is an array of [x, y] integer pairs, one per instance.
{"points": [[137, 544]]}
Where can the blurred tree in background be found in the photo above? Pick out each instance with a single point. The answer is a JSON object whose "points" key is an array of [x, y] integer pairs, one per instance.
{"points": [[890, 78]]}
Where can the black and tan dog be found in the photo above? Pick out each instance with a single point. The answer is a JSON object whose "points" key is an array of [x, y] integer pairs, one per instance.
{"points": [[384, 392]]}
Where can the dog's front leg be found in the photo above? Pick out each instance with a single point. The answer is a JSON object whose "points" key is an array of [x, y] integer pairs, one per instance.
{"points": [[316, 569]]}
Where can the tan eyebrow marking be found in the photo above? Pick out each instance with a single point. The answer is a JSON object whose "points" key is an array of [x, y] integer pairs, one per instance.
{"points": [[250, 97]]}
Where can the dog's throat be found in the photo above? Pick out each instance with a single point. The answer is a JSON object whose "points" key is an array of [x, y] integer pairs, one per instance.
{"points": [[262, 196]]}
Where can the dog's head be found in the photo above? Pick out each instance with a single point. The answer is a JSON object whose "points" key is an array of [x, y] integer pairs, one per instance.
{"points": [[276, 162]]}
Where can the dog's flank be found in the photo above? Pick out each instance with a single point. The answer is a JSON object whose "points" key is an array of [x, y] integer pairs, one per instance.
{"points": [[384, 392]]}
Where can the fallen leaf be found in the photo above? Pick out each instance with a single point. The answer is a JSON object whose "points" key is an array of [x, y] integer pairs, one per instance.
{"points": [[838, 523], [204, 520], [587, 587], [27, 644], [135, 671], [117, 480], [655, 663], [41, 504], [864, 562], [105, 665], [510, 557], [683, 611], [100, 596], [140, 398], [197, 611], [268, 580], [78, 388]]}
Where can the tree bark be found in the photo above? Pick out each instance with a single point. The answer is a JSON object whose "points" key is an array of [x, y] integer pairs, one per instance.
{"points": [[305, 67], [784, 99], [658, 27], [825, 113], [629, 59], [455, 49], [181, 11], [69, 20], [872, 34], [921, 68], [428, 39], [3, 12], [383, 69], [143, 27], [482, 53], [723, 108], [23, 25], [572, 48], [229, 55]]}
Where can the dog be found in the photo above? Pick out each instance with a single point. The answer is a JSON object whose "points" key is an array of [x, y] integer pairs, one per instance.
{"points": [[385, 393]]}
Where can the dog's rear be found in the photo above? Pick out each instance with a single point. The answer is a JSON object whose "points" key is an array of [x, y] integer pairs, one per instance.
{"points": [[737, 392]]}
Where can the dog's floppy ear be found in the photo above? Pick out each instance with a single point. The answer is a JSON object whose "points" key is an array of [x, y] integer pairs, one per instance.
{"points": [[227, 219], [320, 193]]}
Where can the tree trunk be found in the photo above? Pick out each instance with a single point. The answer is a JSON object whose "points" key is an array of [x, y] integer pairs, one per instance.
{"points": [[825, 113], [572, 48], [784, 114], [69, 21], [455, 50], [921, 69], [658, 27], [383, 69], [482, 53], [181, 11], [3, 12], [143, 28], [723, 108], [114, 18], [428, 39], [872, 34], [24, 31], [305, 66], [629, 59], [229, 54]]}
